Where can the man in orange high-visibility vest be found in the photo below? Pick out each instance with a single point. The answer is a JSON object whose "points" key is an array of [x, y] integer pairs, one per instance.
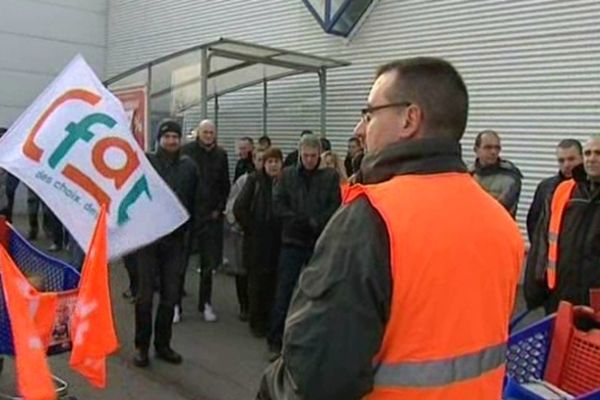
{"points": [[564, 256], [569, 154], [410, 289]]}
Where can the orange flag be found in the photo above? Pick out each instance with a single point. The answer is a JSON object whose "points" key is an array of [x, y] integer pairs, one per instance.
{"points": [[31, 318], [92, 326]]}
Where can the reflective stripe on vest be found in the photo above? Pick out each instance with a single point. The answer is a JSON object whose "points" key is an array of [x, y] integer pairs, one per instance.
{"points": [[429, 374], [438, 346], [561, 197]]}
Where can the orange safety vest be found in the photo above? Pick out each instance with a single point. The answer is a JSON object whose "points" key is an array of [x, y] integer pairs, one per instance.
{"points": [[344, 188], [456, 256], [560, 198]]}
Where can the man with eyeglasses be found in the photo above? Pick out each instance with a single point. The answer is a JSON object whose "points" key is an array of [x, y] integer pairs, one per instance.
{"points": [[499, 177], [569, 154], [562, 263], [410, 288]]}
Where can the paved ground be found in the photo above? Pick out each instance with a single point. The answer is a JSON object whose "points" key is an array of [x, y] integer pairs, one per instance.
{"points": [[222, 361]]}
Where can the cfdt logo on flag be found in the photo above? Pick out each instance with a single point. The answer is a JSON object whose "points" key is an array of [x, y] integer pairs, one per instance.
{"points": [[74, 148], [120, 173]]}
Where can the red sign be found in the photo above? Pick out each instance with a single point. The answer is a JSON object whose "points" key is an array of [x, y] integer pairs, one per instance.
{"points": [[135, 103]]}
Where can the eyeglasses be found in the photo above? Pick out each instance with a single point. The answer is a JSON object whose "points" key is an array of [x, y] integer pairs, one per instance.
{"points": [[367, 112]]}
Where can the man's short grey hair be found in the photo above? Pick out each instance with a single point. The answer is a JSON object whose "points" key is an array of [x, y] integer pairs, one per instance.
{"points": [[311, 141], [206, 122]]}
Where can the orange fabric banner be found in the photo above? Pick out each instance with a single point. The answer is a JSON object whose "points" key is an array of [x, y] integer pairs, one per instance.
{"points": [[92, 326], [31, 319]]}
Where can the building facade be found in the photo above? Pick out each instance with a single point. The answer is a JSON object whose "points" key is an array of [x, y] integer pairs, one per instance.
{"points": [[37, 40], [532, 67]]}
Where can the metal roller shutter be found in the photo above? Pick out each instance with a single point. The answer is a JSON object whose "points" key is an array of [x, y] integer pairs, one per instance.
{"points": [[532, 67]]}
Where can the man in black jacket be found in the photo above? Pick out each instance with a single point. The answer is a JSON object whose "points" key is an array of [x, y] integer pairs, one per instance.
{"points": [[578, 252], [304, 199], [214, 181], [245, 164], [569, 155], [165, 257], [292, 158], [354, 149]]}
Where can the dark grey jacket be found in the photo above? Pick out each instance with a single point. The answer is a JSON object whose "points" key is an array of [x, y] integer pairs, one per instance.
{"points": [[304, 201], [502, 181], [181, 175], [340, 309], [213, 168], [578, 262], [543, 192]]}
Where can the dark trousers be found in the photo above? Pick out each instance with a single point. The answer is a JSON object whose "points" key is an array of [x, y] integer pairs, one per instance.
{"points": [[76, 253], [55, 227], [291, 261], [11, 189], [210, 249], [33, 209], [241, 288], [261, 295], [130, 262], [10, 205], [188, 250], [165, 260]]}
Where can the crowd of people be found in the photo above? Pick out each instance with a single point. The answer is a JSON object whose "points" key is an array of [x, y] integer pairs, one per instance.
{"points": [[343, 265], [51, 225], [274, 216]]}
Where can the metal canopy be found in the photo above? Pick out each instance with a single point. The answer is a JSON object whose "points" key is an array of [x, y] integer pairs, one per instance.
{"points": [[191, 77]]}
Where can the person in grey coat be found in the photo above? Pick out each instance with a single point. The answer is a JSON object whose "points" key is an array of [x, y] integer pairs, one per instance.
{"points": [[497, 176]]}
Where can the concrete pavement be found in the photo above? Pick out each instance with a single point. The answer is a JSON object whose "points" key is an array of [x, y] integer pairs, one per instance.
{"points": [[222, 361]]}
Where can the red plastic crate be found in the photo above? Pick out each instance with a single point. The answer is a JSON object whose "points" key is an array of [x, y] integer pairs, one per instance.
{"points": [[574, 360]]}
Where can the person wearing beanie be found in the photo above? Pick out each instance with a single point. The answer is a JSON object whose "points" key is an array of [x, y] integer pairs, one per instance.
{"points": [[165, 257]]}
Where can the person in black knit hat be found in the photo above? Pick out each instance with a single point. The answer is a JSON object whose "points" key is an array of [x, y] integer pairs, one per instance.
{"points": [[165, 257]]}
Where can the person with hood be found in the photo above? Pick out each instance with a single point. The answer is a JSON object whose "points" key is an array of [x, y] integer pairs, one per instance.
{"points": [[497, 176]]}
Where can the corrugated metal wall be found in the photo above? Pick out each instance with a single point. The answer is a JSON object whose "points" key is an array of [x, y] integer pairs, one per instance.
{"points": [[532, 67], [38, 38]]}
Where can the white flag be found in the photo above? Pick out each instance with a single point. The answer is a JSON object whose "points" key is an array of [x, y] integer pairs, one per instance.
{"points": [[73, 147]]}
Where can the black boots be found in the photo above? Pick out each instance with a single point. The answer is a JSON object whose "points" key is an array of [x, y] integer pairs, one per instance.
{"points": [[167, 354], [141, 359]]}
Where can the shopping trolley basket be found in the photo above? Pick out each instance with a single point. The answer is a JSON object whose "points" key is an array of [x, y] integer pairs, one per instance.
{"points": [[54, 276], [533, 351]]}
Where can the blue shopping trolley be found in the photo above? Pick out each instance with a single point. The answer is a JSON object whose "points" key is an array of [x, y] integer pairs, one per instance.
{"points": [[527, 359], [57, 276]]}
